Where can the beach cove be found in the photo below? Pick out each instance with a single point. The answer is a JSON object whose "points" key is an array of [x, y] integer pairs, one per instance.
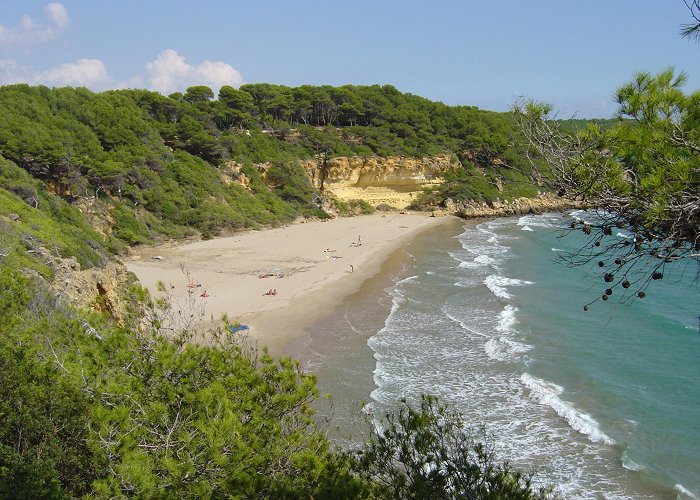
{"points": [[280, 281]]}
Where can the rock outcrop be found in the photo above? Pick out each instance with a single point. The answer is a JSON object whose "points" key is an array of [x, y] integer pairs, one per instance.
{"points": [[394, 180], [519, 206], [98, 288]]}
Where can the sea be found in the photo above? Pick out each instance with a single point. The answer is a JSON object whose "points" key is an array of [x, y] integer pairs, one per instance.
{"points": [[488, 316]]}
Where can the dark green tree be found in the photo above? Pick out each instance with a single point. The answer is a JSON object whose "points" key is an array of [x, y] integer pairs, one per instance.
{"points": [[198, 94]]}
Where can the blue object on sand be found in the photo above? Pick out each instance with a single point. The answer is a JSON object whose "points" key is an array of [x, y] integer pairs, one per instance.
{"points": [[239, 328]]}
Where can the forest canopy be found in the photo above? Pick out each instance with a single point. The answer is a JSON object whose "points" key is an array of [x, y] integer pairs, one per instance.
{"points": [[167, 166]]}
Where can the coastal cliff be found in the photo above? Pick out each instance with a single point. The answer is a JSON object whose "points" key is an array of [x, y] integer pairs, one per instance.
{"points": [[393, 180]]}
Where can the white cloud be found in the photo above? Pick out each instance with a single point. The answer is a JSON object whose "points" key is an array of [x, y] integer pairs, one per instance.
{"points": [[58, 14], [29, 31], [91, 73], [170, 72]]}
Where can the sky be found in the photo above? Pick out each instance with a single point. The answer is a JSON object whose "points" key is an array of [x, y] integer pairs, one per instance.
{"points": [[572, 54]]}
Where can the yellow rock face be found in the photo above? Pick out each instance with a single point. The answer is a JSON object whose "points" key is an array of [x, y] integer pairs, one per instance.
{"points": [[394, 180]]}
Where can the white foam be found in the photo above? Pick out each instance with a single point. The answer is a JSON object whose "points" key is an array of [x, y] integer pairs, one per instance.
{"points": [[547, 393], [578, 214], [347, 320], [461, 323], [558, 249], [506, 318], [497, 284], [504, 349], [680, 489], [526, 228], [410, 279], [622, 235], [495, 350], [630, 464], [484, 260]]}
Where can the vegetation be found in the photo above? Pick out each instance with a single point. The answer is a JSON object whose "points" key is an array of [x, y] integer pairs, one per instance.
{"points": [[644, 172], [430, 452], [91, 407], [99, 409], [166, 167]]}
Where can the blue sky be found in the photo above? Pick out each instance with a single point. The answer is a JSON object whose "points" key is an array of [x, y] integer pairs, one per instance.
{"points": [[572, 54]]}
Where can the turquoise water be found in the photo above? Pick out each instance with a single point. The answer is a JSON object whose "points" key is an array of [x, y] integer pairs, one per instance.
{"points": [[633, 366], [602, 404]]}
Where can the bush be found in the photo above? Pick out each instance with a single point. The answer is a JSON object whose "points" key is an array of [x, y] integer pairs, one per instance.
{"points": [[384, 207], [353, 207], [139, 410], [429, 452]]}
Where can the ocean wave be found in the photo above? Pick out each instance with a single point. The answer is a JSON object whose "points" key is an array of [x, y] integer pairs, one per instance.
{"points": [[497, 284], [396, 300], [504, 349], [484, 260], [630, 464], [410, 279], [464, 284], [680, 489], [547, 393], [481, 260], [506, 319], [578, 214], [542, 220], [526, 228], [347, 320], [558, 250], [464, 326]]}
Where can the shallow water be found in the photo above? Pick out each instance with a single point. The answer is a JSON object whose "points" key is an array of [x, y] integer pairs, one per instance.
{"points": [[601, 404]]}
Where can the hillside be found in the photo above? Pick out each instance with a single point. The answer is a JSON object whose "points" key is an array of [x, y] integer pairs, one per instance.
{"points": [[143, 167]]}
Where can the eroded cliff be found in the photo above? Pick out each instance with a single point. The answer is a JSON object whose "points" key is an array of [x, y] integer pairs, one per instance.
{"points": [[393, 180]]}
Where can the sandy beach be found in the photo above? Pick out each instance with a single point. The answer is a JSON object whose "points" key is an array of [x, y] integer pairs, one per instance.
{"points": [[310, 267]]}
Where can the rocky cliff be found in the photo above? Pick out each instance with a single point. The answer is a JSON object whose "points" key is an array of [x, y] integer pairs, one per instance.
{"points": [[394, 180], [97, 288]]}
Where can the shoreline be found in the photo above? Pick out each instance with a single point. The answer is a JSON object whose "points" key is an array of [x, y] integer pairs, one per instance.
{"points": [[312, 267]]}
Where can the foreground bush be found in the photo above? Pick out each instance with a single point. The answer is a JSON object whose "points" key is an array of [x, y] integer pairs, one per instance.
{"points": [[430, 452], [121, 411], [92, 408]]}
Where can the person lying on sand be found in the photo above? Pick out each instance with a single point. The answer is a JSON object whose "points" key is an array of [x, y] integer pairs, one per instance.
{"points": [[271, 292], [270, 275]]}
